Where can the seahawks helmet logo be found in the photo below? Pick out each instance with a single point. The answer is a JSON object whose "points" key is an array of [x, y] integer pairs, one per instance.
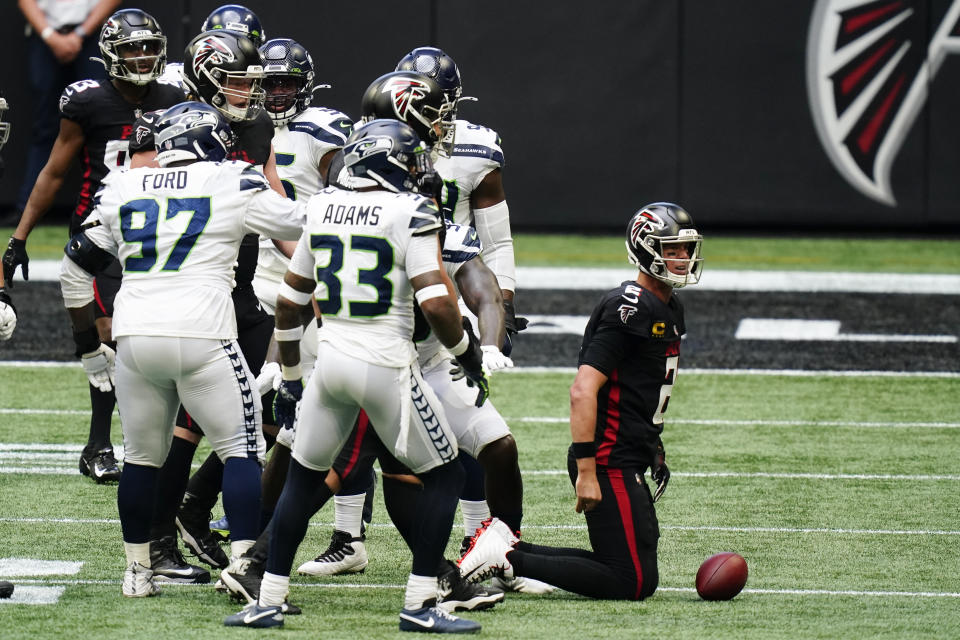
{"points": [[213, 50], [403, 93], [869, 67], [644, 223]]}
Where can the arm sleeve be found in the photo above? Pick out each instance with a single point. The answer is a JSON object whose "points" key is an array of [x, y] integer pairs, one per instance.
{"points": [[76, 285], [422, 255], [302, 263], [493, 227]]}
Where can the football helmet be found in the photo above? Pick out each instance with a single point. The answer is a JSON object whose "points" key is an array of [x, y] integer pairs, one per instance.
{"points": [[133, 46], [224, 69], [389, 152], [237, 18], [412, 98], [433, 62], [288, 84], [653, 235], [191, 131]]}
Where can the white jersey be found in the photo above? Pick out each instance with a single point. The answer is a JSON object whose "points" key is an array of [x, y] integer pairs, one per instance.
{"points": [[460, 245], [176, 233], [173, 74], [362, 248], [299, 146], [476, 153]]}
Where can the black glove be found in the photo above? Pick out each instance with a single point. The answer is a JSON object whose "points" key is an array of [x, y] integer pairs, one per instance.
{"points": [[285, 402], [431, 184], [660, 473], [512, 324], [471, 361], [16, 254]]}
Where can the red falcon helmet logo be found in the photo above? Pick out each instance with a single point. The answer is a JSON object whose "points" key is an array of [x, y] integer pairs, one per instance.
{"points": [[404, 92], [869, 67], [212, 49], [645, 222]]}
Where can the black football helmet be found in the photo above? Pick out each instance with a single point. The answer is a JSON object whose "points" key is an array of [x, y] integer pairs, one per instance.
{"points": [[224, 69], [288, 84], [192, 131], [389, 152], [652, 231], [133, 46], [236, 18], [433, 62], [412, 98]]}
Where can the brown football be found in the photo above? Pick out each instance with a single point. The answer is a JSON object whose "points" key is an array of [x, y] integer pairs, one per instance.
{"points": [[721, 576]]}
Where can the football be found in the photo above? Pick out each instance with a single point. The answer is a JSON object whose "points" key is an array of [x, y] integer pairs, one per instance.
{"points": [[721, 576]]}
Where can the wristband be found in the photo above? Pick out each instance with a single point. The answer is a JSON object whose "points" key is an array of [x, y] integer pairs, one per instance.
{"points": [[584, 449], [460, 348], [294, 296], [291, 373], [87, 340], [46, 33], [288, 335]]}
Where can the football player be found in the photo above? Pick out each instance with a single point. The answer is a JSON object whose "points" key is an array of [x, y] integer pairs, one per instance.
{"points": [[627, 368], [8, 313], [147, 217], [367, 358], [96, 126], [236, 18]]}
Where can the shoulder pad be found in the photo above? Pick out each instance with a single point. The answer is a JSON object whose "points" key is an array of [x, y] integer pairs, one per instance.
{"points": [[76, 94], [477, 141], [319, 132], [426, 218], [251, 178], [460, 244]]}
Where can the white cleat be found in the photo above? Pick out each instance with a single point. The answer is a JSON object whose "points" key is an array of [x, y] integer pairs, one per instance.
{"points": [[487, 555], [138, 582], [523, 585], [344, 555]]}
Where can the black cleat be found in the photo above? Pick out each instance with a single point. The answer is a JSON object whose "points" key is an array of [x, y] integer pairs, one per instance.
{"points": [[242, 579], [456, 594], [168, 564], [100, 465], [193, 523], [6, 589]]}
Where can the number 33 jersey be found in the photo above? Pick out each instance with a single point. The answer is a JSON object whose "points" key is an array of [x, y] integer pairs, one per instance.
{"points": [[634, 339], [176, 233], [106, 119], [362, 248]]}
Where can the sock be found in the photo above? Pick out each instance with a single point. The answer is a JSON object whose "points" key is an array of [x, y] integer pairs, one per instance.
{"points": [[304, 493], [206, 481], [348, 513], [241, 497], [137, 552], [474, 513], [273, 589], [239, 547], [101, 417], [135, 498], [420, 589], [433, 519], [400, 499], [473, 482], [171, 485]]}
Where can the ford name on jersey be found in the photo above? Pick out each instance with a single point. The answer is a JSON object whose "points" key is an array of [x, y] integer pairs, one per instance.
{"points": [[343, 214], [165, 180]]}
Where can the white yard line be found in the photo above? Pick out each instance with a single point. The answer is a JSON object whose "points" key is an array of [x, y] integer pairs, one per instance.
{"points": [[765, 423]]}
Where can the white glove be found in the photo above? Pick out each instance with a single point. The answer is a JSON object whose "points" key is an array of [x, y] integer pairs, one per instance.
{"points": [[494, 360], [286, 436], [99, 366], [8, 320], [269, 378]]}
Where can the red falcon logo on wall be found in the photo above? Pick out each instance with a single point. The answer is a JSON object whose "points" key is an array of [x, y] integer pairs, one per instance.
{"points": [[404, 92], [210, 48], [870, 64]]}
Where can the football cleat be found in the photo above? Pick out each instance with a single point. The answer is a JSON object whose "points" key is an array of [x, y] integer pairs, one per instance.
{"points": [[523, 585], [100, 465], [344, 555], [221, 528], [456, 594], [487, 555], [138, 582], [6, 589], [465, 544], [242, 579], [193, 523], [255, 616], [433, 619], [168, 565]]}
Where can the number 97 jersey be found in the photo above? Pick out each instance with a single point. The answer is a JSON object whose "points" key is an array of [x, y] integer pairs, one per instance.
{"points": [[476, 153], [362, 248]]}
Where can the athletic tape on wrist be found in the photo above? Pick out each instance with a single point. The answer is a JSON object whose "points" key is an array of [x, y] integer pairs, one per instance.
{"points": [[294, 296], [291, 373], [433, 291], [287, 335], [461, 347]]}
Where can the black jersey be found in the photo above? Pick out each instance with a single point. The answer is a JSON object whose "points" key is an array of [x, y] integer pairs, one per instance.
{"points": [[106, 119], [634, 339]]}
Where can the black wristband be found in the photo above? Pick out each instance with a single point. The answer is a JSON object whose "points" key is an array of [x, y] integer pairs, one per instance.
{"points": [[584, 449], [87, 340]]}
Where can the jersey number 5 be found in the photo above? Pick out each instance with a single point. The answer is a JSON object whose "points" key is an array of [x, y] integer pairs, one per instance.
{"points": [[146, 234], [365, 277]]}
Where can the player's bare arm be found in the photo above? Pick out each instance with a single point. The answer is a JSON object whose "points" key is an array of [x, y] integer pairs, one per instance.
{"points": [[583, 412], [270, 170]]}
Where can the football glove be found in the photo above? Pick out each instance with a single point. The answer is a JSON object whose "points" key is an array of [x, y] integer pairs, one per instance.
{"points": [[493, 359], [285, 403], [8, 316], [16, 254], [269, 378], [471, 361], [456, 371], [659, 472], [513, 324], [99, 365]]}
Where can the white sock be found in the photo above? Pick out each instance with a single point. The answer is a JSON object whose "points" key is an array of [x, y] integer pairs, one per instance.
{"points": [[273, 589], [474, 513], [348, 513], [419, 590], [239, 547], [137, 552]]}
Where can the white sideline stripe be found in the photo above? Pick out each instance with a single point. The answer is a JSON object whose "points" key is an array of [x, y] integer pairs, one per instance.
{"points": [[765, 423], [775, 475], [31, 567], [820, 331], [572, 371], [33, 595]]}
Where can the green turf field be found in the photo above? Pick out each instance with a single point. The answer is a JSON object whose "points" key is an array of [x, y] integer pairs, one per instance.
{"points": [[841, 492]]}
